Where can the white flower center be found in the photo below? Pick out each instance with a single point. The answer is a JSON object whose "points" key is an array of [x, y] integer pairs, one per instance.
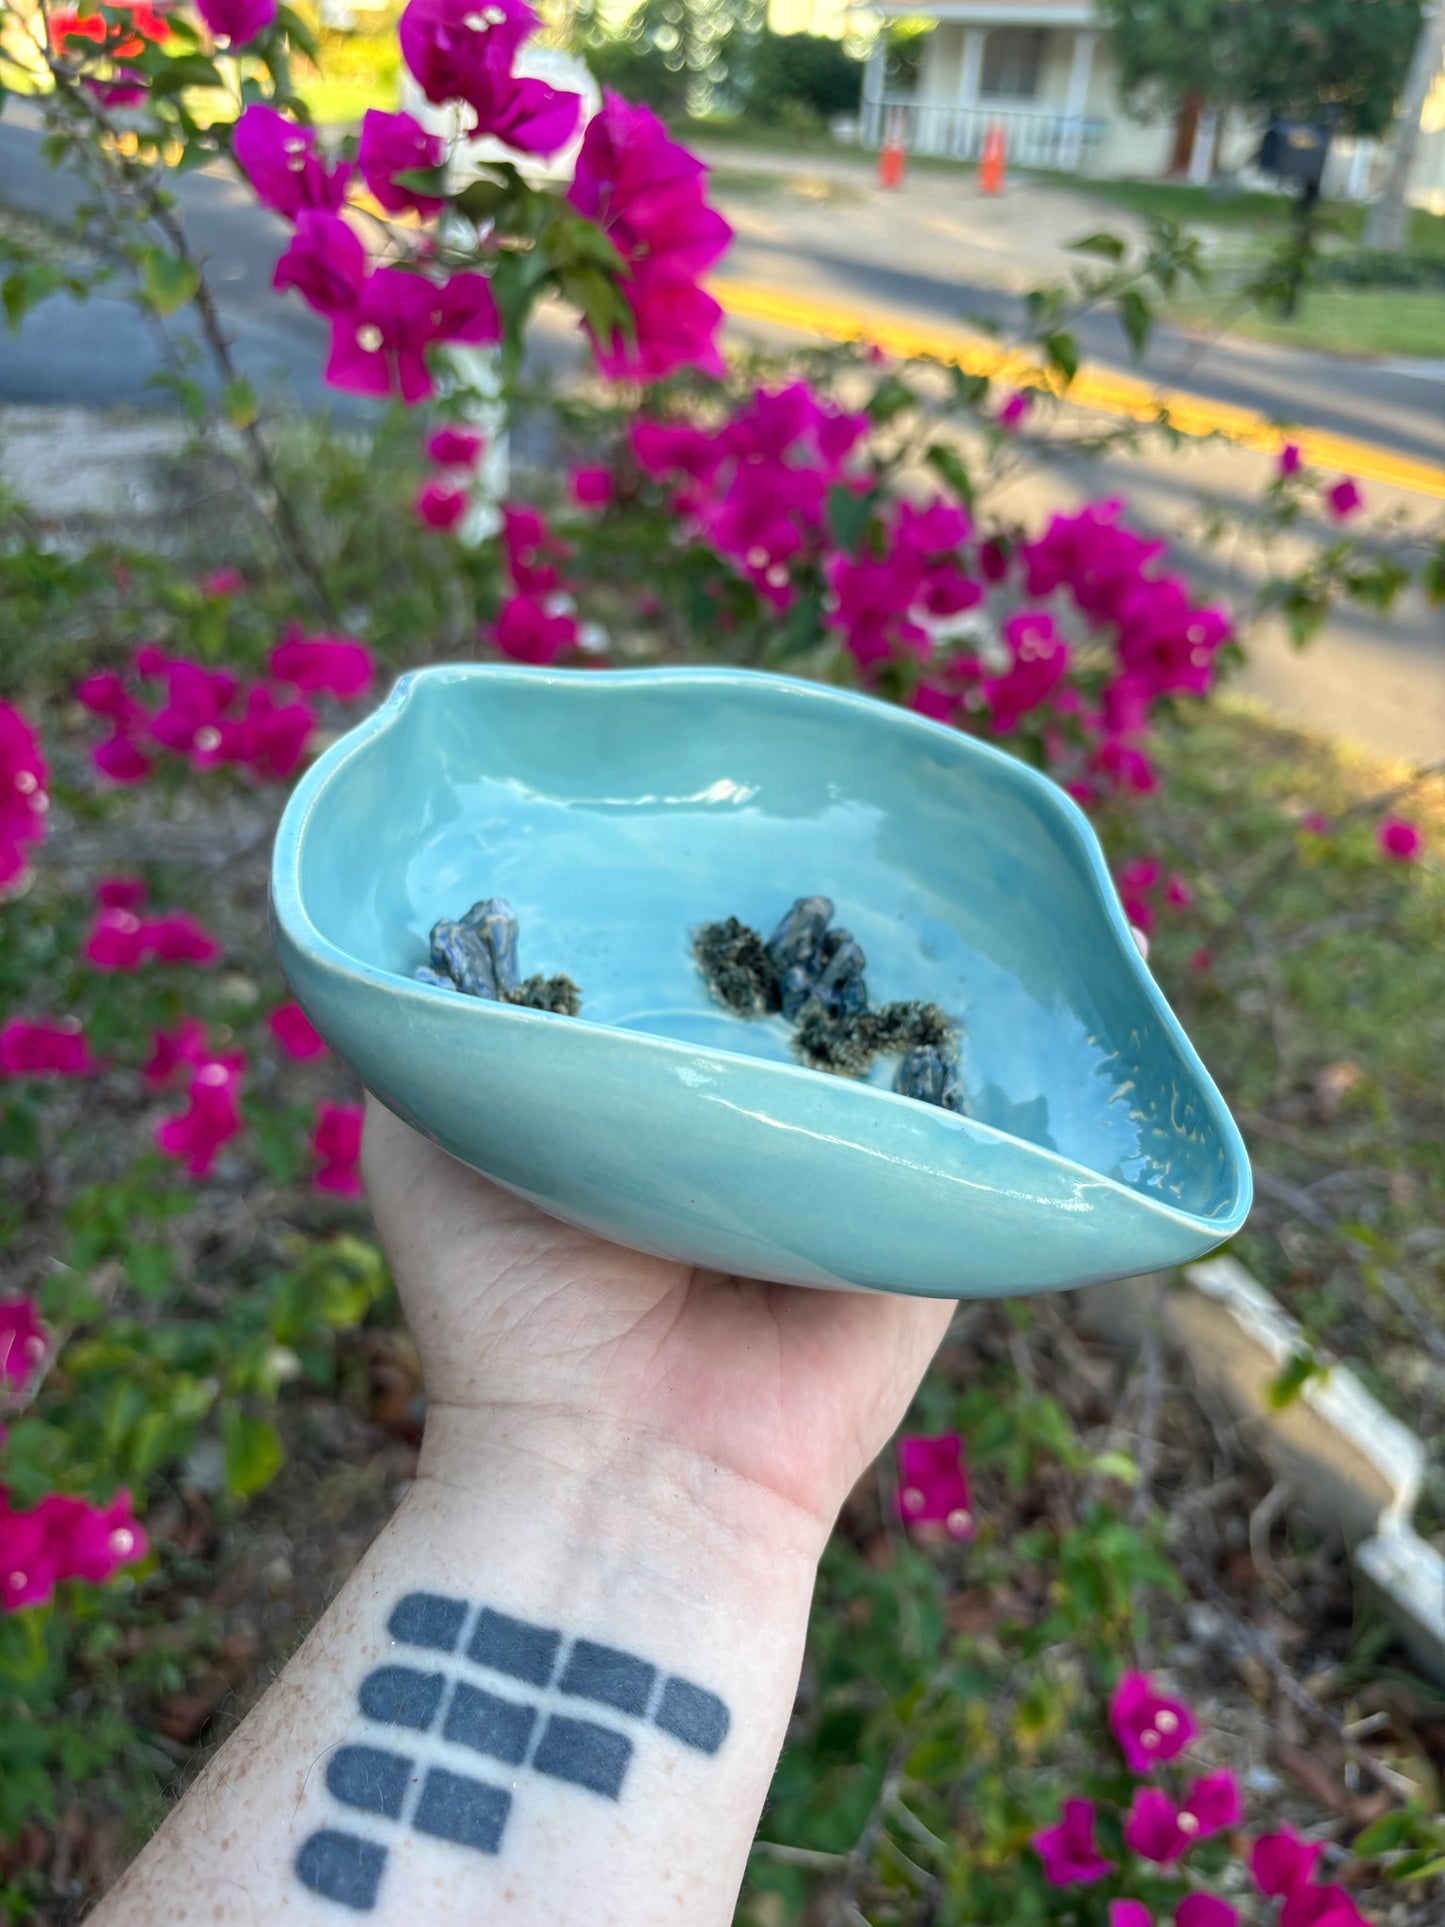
{"points": [[1188, 1823], [122, 1541], [207, 738], [26, 781], [212, 1074], [959, 1521], [912, 1499], [1149, 1739], [369, 337], [1166, 1721]]}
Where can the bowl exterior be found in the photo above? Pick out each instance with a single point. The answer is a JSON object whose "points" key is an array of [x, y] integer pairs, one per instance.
{"points": [[729, 1163]]}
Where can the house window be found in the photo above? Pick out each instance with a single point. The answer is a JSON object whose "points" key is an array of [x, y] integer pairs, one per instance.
{"points": [[1012, 57]]}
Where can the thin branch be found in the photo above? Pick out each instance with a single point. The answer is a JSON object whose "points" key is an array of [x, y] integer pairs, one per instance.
{"points": [[143, 192]]}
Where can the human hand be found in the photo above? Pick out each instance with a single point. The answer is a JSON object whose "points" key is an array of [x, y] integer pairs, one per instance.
{"points": [[583, 1347]]}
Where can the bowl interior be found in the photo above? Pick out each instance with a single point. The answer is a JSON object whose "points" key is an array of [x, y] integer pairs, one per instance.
{"points": [[618, 812]]}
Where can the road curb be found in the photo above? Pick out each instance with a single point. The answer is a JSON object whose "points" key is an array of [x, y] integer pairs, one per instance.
{"points": [[1353, 1469]]}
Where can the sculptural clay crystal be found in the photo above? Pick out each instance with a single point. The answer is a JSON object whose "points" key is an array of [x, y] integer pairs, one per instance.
{"points": [[477, 955], [812, 975]]}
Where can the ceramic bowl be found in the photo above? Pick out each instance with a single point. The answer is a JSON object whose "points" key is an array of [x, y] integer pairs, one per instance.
{"points": [[617, 811]]}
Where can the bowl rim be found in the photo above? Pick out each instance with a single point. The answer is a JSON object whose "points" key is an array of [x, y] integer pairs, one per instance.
{"points": [[294, 919]]}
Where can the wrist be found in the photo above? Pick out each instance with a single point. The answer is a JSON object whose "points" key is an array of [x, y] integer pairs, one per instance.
{"points": [[615, 1506]]}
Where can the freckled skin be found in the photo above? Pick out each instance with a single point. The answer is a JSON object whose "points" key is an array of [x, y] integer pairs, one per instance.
{"points": [[644, 1458]]}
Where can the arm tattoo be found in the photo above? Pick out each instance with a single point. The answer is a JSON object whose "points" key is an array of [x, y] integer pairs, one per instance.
{"points": [[431, 1787]]}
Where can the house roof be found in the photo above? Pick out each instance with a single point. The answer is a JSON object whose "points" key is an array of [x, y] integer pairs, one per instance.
{"points": [[994, 13]]}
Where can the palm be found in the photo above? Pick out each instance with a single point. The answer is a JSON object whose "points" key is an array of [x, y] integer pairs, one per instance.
{"points": [[791, 1390]]}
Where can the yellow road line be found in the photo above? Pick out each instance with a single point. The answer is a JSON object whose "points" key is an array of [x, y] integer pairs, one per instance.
{"points": [[1091, 388]]}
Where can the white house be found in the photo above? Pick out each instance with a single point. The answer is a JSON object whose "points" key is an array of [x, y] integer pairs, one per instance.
{"points": [[1042, 70]]}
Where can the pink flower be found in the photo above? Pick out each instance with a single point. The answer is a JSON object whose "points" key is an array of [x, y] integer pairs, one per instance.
{"points": [[197, 699], [1282, 1861], [236, 21], [1177, 893], [1040, 658], [646, 193], [170, 1049], [440, 507], [933, 1483], [295, 1033], [120, 758], [23, 799], [212, 1116], [325, 263], [270, 737], [1201, 961], [280, 161], [1205, 1910], [1068, 1850], [1309, 1906], [459, 53], [379, 346], [1342, 499], [1014, 409], [104, 694], [1149, 1727], [22, 1339], [27, 1563], [221, 584], [125, 88], [454, 447], [336, 1144], [1290, 459], [91, 1542], [591, 487], [330, 665], [1156, 1831], [1151, 1828], [44, 1049], [393, 144], [534, 555], [1129, 1913], [176, 937], [1400, 840], [115, 941], [1315, 824], [528, 631]]}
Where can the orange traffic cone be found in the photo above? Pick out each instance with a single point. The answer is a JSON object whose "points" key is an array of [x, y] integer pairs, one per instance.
{"points": [[890, 156], [990, 161]]}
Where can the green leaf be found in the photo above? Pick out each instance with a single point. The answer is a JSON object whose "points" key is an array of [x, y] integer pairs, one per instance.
{"points": [[238, 403], [1137, 317], [891, 397], [186, 70], [1109, 246], [253, 1449], [1385, 1835], [19, 1133], [848, 516], [482, 200], [950, 466], [1063, 353], [27, 286], [1287, 1384], [298, 33], [169, 284], [423, 180], [150, 1269]]}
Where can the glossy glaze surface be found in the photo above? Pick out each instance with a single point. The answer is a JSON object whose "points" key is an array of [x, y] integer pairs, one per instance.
{"points": [[617, 811]]}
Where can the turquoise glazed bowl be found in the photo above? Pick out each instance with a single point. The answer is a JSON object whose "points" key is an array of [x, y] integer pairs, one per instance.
{"points": [[616, 811]]}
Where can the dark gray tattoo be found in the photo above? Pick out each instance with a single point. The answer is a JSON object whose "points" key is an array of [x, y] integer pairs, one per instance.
{"points": [[452, 1708]]}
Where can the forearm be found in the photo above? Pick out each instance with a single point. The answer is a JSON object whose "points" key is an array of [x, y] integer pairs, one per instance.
{"points": [[454, 1759]]}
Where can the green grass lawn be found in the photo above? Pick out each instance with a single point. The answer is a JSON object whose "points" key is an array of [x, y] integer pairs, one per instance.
{"points": [[341, 103], [1267, 214], [1343, 321]]}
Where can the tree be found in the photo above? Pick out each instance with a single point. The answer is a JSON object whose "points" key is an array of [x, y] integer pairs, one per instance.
{"points": [[805, 73], [1294, 58], [1387, 225]]}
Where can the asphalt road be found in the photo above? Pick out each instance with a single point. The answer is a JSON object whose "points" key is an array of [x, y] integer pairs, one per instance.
{"points": [[102, 352]]}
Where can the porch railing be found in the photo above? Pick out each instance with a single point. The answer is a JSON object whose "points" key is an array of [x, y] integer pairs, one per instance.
{"points": [[1034, 137]]}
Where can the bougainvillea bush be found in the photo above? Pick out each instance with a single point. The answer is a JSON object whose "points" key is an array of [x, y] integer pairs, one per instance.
{"points": [[182, 1246]]}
